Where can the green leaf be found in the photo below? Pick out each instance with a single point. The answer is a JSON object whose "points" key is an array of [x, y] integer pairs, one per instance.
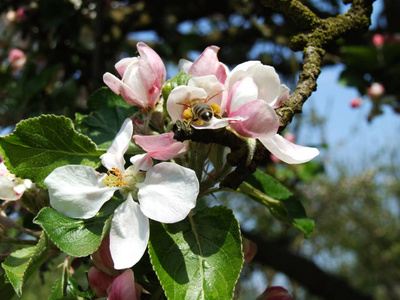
{"points": [[200, 257], [22, 263], [39, 145], [180, 79], [269, 192], [269, 185], [76, 237], [109, 111], [6, 289]]}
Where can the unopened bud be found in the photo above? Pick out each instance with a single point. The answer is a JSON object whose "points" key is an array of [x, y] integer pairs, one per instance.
{"points": [[124, 287], [275, 293], [378, 40], [102, 258], [249, 250], [356, 102], [375, 91], [99, 281]]}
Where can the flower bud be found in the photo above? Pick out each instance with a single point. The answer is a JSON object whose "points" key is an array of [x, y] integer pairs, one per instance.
{"points": [[99, 281], [356, 102], [102, 258], [275, 293], [249, 249], [375, 91], [124, 287]]}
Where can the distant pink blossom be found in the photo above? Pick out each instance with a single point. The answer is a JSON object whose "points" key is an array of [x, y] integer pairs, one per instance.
{"points": [[249, 249], [142, 78], [378, 40], [17, 59], [375, 91], [356, 102]]}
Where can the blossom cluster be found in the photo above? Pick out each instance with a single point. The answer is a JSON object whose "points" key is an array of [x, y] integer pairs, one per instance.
{"points": [[161, 184]]}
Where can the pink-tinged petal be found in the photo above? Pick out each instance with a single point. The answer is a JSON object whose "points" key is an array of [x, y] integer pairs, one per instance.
{"points": [[150, 83], [287, 151], [249, 249], [119, 87], [155, 61], [265, 77], [212, 87], [77, 191], [133, 88], [114, 158], [283, 96], [161, 147], [242, 92], [208, 64], [179, 95], [124, 287], [129, 234], [99, 281], [123, 64], [168, 193], [262, 120], [7, 191]]}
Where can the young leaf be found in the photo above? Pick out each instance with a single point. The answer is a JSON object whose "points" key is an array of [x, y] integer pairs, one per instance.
{"points": [[23, 262], [269, 192], [200, 257], [39, 145], [109, 111], [76, 237]]}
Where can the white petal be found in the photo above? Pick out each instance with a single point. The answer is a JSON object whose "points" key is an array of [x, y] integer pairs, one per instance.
{"points": [[178, 96], [287, 151], [114, 158], [129, 234], [184, 65], [77, 191], [141, 162], [245, 92], [168, 193], [7, 191]]}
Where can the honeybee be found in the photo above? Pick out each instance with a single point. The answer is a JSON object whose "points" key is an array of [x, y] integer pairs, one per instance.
{"points": [[198, 111]]}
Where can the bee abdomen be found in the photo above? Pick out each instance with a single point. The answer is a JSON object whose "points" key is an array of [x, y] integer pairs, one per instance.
{"points": [[203, 111]]}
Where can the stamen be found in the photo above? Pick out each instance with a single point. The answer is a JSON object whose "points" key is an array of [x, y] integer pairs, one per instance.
{"points": [[114, 178]]}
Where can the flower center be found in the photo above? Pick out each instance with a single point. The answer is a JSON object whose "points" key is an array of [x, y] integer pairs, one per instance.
{"points": [[115, 178]]}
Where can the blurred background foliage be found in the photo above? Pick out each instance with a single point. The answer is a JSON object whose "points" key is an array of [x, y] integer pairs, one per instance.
{"points": [[68, 45]]}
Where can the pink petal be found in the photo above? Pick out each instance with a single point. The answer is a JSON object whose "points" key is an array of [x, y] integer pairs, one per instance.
{"points": [[208, 64], [124, 287], [123, 64], [262, 120], [161, 147], [287, 151], [242, 92], [154, 60]]}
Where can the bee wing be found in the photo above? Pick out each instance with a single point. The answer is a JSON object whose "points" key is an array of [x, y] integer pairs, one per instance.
{"points": [[185, 102], [212, 96]]}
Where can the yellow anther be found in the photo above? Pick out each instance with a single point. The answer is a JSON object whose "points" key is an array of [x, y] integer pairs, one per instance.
{"points": [[114, 178]]}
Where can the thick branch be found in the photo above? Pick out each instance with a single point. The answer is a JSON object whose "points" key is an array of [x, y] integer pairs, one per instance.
{"points": [[312, 44], [303, 271]]}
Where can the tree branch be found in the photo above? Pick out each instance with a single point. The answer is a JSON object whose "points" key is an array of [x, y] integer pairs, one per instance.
{"points": [[303, 271]]}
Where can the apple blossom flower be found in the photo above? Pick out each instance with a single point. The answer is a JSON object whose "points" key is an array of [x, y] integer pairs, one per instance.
{"points": [[165, 192], [206, 64], [11, 187], [375, 91], [254, 90], [204, 89], [378, 40], [142, 78], [17, 59]]}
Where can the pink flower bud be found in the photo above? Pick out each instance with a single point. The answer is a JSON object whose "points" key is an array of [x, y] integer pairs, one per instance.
{"points": [[355, 102], [17, 59], [102, 258], [378, 40], [275, 293], [124, 287], [249, 250], [375, 91], [99, 281]]}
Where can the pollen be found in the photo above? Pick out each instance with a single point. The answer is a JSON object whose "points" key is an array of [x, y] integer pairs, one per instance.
{"points": [[114, 178], [187, 114], [216, 108]]}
